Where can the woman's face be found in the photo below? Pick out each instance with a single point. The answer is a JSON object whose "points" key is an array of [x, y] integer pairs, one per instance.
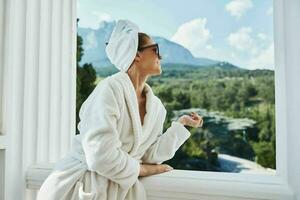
{"points": [[149, 62]]}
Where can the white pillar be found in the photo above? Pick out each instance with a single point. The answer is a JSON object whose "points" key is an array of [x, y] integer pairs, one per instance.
{"points": [[2, 14], [13, 97], [280, 94], [2, 137], [68, 66], [39, 86], [44, 82], [31, 87], [292, 63]]}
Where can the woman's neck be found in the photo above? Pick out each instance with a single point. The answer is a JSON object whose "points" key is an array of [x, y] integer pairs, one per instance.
{"points": [[138, 80]]}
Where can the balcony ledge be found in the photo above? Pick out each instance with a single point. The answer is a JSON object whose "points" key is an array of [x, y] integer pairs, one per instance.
{"points": [[183, 184]]}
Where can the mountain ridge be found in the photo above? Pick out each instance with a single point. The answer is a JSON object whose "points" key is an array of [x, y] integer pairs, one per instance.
{"points": [[173, 53]]}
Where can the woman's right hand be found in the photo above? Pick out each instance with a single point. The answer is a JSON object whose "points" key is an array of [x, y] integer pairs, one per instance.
{"points": [[192, 120], [152, 169]]}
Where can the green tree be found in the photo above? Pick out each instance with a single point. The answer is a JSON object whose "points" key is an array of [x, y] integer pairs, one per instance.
{"points": [[85, 80]]}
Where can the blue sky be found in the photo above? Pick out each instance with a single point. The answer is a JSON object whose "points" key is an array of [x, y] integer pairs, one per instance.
{"points": [[237, 31]]}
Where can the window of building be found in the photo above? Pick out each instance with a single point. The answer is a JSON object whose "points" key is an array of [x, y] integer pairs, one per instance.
{"points": [[218, 60]]}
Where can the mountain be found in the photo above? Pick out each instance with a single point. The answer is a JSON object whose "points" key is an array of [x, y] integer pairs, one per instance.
{"points": [[94, 48], [94, 44], [175, 53]]}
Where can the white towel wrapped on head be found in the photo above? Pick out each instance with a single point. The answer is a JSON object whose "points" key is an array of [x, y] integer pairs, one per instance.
{"points": [[122, 45]]}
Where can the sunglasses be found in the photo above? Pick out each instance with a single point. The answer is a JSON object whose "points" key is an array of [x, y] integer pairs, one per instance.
{"points": [[155, 49]]}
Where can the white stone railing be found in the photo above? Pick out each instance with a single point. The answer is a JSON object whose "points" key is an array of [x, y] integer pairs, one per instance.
{"points": [[182, 184]]}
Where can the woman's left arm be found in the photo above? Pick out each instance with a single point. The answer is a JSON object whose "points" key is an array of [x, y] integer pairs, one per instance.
{"points": [[166, 144]]}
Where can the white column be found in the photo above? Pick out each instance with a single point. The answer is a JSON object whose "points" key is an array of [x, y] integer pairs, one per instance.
{"points": [[55, 80], [292, 63], [68, 62], [13, 97], [2, 6], [280, 90], [2, 137], [39, 86], [44, 82], [31, 87]]}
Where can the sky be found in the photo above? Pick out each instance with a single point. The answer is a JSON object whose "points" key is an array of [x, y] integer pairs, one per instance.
{"points": [[235, 31]]}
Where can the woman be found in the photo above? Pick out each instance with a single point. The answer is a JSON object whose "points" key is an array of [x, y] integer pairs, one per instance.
{"points": [[121, 125]]}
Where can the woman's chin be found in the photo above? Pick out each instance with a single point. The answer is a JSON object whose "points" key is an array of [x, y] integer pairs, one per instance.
{"points": [[158, 72]]}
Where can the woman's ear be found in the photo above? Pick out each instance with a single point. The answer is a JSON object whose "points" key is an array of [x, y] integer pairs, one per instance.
{"points": [[137, 57]]}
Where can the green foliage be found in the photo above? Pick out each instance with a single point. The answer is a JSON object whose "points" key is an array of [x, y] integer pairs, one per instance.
{"points": [[85, 80], [237, 93], [265, 154], [87, 75]]}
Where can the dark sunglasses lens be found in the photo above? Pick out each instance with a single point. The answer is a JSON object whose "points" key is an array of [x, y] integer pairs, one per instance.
{"points": [[157, 49], [157, 52]]}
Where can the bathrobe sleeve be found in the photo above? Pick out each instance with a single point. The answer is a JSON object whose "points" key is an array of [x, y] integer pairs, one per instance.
{"points": [[100, 140], [166, 144]]}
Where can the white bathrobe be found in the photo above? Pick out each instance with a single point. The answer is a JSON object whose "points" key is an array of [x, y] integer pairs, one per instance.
{"points": [[104, 162]]}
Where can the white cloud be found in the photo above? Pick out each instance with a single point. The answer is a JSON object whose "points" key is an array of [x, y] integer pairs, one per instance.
{"points": [[270, 11], [232, 55], [94, 18], [254, 52], [242, 40], [264, 59], [209, 47], [262, 36], [196, 37], [246, 48], [91, 41], [102, 16], [193, 35], [237, 8]]}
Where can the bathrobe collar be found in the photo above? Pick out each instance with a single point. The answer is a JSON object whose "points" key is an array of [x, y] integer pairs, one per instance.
{"points": [[152, 108]]}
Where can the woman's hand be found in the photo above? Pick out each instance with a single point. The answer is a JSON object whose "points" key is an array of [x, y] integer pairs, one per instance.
{"points": [[148, 169], [193, 120]]}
